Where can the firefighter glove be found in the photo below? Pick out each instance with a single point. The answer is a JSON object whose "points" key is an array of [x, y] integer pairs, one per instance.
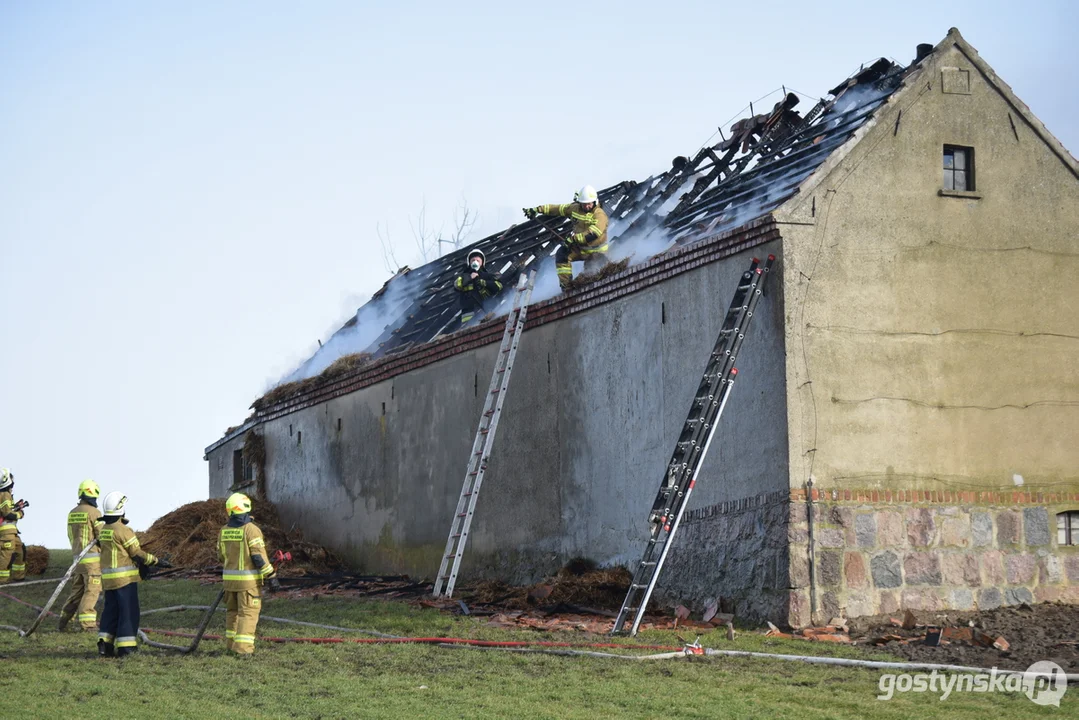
{"points": [[530, 213]]}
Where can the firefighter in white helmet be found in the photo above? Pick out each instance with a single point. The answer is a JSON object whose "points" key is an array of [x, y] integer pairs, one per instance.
{"points": [[588, 236], [475, 285], [12, 550], [83, 526], [244, 566], [121, 561]]}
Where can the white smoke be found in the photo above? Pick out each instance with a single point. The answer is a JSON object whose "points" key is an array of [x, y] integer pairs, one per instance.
{"points": [[368, 323]]}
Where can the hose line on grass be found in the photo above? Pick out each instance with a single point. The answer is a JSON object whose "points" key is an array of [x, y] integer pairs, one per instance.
{"points": [[551, 648]]}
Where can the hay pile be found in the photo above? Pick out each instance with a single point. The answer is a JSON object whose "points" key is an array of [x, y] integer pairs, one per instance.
{"points": [[340, 367], [37, 559], [579, 583], [603, 273], [189, 536]]}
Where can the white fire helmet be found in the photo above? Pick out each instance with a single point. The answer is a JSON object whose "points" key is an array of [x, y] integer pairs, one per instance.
{"points": [[115, 503], [587, 194]]}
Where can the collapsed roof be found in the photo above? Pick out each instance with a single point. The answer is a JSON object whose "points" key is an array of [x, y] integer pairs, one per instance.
{"points": [[748, 174]]}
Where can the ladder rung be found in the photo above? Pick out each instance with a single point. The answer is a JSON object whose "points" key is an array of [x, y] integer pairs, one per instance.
{"points": [[462, 515], [496, 390]]}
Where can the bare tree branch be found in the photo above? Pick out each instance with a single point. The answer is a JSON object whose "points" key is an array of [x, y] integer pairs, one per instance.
{"points": [[389, 258], [464, 219]]}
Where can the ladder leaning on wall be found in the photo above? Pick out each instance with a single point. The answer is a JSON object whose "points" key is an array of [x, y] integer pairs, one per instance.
{"points": [[485, 437], [692, 445]]}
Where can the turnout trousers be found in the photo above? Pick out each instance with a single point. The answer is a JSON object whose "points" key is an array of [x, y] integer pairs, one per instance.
{"points": [[85, 590], [12, 558], [120, 618], [242, 609]]}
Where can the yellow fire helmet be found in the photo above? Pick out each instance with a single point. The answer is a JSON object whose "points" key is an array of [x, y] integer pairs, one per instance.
{"points": [[89, 488], [238, 504]]}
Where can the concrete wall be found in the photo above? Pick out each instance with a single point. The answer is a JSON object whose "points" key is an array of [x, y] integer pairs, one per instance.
{"points": [[596, 402], [932, 339]]}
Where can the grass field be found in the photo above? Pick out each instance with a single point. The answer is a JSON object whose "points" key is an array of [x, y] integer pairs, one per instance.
{"points": [[54, 674]]}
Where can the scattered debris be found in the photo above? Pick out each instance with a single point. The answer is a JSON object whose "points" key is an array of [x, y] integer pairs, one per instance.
{"points": [[578, 583], [37, 559], [189, 536], [1007, 637]]}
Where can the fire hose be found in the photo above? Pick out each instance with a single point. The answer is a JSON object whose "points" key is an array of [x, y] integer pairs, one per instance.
{"points": [[532, 646]]}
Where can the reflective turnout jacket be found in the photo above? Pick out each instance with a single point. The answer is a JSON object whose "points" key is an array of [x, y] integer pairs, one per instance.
{"points": [[120, 553], [589, 228], [83, 525], [486, 284], [7, 507], [242, 550]]}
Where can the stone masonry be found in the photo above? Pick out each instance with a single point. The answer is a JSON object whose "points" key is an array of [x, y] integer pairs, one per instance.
{"points": [[881, 552]]}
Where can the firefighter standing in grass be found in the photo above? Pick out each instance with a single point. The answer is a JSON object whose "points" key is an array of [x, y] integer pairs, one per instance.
{"points": [[12, 550], [121, 560], [83, 525], [588, 238], [245, 566], [475, 285]]}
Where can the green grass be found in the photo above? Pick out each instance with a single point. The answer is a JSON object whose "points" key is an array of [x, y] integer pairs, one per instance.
{"points": [[53, 674]]}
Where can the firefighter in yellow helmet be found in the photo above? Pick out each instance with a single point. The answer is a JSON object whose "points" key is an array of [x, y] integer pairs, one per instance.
{"points": [[121, 561], [84, 523], [588, 237], [245, 566], [12, 550]]}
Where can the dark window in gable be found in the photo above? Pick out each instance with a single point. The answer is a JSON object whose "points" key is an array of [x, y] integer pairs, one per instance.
{"points": [[958, 168]]}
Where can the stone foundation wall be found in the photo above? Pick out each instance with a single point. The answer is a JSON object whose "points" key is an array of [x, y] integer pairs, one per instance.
{"points": [[881, 552], [734, 551]]}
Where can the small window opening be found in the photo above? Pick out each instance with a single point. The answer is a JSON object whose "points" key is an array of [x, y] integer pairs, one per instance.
{"points": [[338, 424], [1068, 528], [958, 168], [299, 436]]}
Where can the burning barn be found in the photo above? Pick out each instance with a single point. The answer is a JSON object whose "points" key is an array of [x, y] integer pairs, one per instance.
{"points": [[903, 430]]}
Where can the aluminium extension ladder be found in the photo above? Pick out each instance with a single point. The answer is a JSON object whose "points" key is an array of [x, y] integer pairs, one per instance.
{"points": [[692, 445], [485, 437]]}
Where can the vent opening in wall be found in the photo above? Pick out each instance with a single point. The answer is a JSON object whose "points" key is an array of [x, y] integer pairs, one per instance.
{"points": [[290, 430], [663, 313], [338, 424], [383, 408], [299, 436]]}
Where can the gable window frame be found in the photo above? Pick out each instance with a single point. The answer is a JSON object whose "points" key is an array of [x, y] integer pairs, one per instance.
{"points": [[958, 169], [1068, 528]]}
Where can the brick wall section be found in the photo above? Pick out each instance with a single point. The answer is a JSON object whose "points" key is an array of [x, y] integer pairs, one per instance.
{"points": [[877, 552], [631, 280]]}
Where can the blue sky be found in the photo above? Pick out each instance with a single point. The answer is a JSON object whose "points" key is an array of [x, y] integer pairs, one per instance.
{"points": [[189, 193]]}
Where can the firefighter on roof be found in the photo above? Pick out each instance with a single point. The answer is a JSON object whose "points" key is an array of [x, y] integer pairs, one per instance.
{"points": [[475, 285], [245, 566], [83, 526], [121, 561], [12, 550], [588, 237]]}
